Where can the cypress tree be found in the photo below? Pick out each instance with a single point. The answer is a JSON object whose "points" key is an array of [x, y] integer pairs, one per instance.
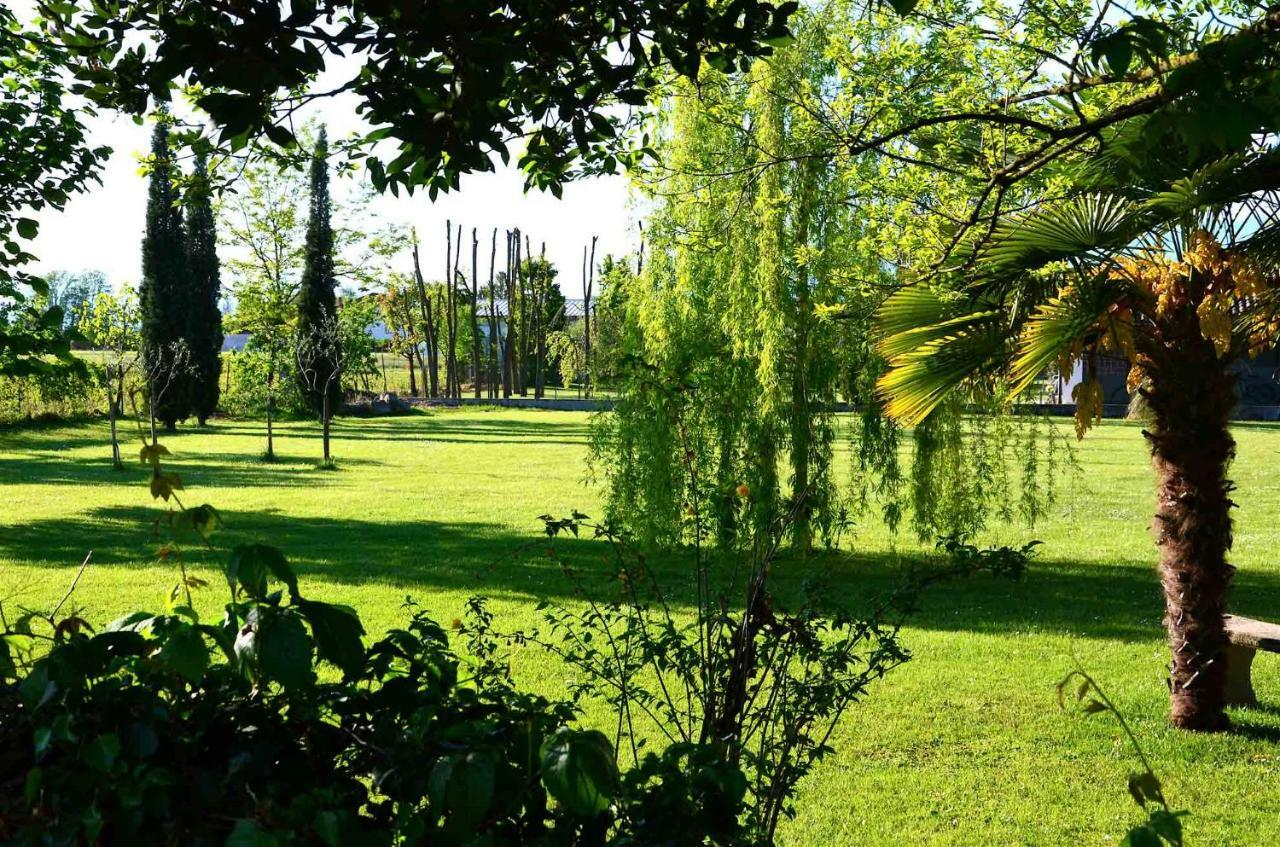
{"points": [[204, 320], [317, 297], [164, 293]]}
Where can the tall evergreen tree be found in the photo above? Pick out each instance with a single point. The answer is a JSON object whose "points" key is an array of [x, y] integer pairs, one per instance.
{"points": [[164, 296], [204, 320], [317, 298]]}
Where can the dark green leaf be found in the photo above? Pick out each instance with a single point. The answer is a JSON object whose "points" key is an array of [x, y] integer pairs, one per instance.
{"points": [[461, 789], [184, 653], [580, 771], [337, 631], [284, 650], [100, 754], [246, 833]]}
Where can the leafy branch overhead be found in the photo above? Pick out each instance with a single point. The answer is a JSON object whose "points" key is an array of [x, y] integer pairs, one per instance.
{"points": [[444, 85]]}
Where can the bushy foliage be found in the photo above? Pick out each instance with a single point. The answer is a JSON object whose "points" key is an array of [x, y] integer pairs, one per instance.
{"points": [[278, 726], [164, 297], [256, 378], [746, 690], [317, 298], [62, 394], [204, 321]]}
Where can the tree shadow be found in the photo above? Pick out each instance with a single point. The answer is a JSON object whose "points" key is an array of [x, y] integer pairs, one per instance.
{"points": [[56, 467], [1119, 601], [423, 427]]}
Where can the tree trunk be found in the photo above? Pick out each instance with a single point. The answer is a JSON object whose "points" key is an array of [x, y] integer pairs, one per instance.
{"points": [[1192, 396], [113, 413], [413, 381], [492, 348], [430, 386], [586, 319], [271, 440], [510, 378], [475, 324], [801, 423], [325, 424]]}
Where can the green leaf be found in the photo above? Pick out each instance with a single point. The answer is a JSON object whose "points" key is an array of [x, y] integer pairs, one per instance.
{"points": [[246, 833], [284, 650], [904, 7], [337, 631], [31, 789], [580, 771], [461, 789], [184, 653], [1167, 825], [41, 739], [100, 754], [28, 228], [326, 827], [250, 564]]}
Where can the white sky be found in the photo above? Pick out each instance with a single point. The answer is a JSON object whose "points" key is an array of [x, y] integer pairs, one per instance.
{"points": [[102, 229]]}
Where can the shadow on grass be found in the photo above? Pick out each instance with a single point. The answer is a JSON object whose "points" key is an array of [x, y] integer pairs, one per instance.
{"points": [[426, 427], [247, 469], [1117, 601]]}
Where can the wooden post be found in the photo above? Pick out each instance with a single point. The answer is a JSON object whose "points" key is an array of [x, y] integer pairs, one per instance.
{"points": [[588, 282]]}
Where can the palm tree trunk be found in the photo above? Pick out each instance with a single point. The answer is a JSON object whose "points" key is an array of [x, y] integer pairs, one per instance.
{"points": [[1191, 449]]}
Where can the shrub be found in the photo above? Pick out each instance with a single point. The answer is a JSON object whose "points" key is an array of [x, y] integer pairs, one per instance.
{"points": [[62, 394], [278, 726]]}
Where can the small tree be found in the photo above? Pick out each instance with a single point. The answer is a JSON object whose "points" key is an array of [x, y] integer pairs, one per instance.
{"points": [[163, 297], [109, 323], [163, 375], [317, 297], [568, 347], [204, 319], [397, 304], [320, 352], [359, 349]]}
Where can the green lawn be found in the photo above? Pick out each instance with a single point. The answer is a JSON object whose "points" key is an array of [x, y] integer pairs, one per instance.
{"points": [[963, 746]]}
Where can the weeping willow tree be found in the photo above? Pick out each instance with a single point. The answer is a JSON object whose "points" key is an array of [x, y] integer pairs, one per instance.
{"points": [[749, 323]]}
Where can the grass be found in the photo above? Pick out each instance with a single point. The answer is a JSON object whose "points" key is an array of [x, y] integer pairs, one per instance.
{"points": [[963, 746]]}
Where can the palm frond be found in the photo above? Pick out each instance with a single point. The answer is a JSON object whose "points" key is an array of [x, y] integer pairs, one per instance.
{"points": [[1262, 247], [1077, 228], [919, 380], [1061, 322], [917, 314], [1215, 186]]}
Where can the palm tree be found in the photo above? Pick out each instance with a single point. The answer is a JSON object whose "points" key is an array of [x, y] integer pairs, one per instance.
{"points": [[1170, 266]]}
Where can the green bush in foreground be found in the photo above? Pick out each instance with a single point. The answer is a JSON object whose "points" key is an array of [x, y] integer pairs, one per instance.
{"points": [[162, 729], [165, 729]]}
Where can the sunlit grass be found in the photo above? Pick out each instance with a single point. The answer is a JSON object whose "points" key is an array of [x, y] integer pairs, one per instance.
{"points": [[963, 746]]}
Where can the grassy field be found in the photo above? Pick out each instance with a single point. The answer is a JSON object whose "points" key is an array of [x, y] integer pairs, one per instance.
{"points": [[963, 746]]}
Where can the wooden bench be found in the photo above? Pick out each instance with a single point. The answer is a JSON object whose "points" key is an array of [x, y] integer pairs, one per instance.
{"points": [[1247, 637]]}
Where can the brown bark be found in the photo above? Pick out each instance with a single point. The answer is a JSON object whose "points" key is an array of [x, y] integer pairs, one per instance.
{"points": [[430, 385], [508, 344], [113, 414], [271, 442], [1191, 398], [475, 324], [493, 321], [453, 387], [539, 288]]}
